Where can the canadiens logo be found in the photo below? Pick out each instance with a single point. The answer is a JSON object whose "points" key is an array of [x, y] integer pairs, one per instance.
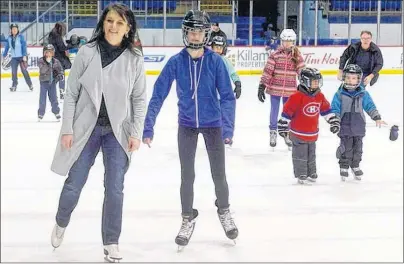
{"points": [[311, 109]]}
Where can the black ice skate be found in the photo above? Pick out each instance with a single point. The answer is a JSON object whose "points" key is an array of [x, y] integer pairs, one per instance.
{"points": [[31, 88], [272, 138], [313, 177], [112, 253], [58, 117], [343, 173], [357, 172], [186, 230], [13, 89], [302, 179], [40, 118]]}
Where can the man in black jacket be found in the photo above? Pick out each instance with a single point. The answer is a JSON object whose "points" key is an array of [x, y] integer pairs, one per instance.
{"points": [[367, 55]]}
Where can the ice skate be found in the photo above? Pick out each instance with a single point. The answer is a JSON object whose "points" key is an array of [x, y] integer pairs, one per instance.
{"points": [[343, 173], [288, 142], [40, 118], [228, 224], [13, 89], [313, 177], [31, 88], [58, 117], [57, 235], [272, 138], [112, 254], [357, 172], [302, 179], [186, 230]]}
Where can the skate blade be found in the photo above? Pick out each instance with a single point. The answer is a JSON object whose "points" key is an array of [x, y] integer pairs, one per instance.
{"points": [[358, 178], [180, 248], [343, 178], [312, 180], [303, 182], [112, 260]]}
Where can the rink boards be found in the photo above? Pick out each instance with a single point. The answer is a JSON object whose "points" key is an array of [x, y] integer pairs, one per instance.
{"points": [[246, 60]]}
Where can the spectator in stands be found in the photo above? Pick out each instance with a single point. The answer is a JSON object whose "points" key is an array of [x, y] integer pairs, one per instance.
{"points": [[56, 39], [367, 55], [216, 31], [104, 108], [18, 47]]}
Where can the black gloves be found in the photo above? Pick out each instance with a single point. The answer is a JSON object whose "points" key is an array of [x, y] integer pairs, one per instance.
{"points": [[261, 92], [283, 127], [237, 90], [335, 124]]}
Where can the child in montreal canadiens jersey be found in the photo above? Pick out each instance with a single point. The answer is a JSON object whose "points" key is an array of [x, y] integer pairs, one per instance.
{"points": [[300, 119]]}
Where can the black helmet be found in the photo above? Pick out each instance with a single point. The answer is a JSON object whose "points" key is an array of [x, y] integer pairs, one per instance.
{"points": [[13, 25], [221, 42], [352, 69], [307, 75], [196, 20], [48, 47]]}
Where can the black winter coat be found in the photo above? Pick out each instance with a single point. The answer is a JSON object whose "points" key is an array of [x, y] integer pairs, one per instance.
{"points": [[60, 49], [350, 54]]}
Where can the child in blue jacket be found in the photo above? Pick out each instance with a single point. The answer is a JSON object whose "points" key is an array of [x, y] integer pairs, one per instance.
{"points": [[349, 103], [219, 45], [18, 47], [200, 75]]}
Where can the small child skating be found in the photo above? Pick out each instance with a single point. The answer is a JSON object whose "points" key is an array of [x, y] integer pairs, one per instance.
{"points": [[300, 118], [50, 72], [349, 103], [219, 46]]}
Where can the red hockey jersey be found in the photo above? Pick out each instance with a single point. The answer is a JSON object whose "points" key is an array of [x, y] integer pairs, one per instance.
{"points": [[303, 110]]}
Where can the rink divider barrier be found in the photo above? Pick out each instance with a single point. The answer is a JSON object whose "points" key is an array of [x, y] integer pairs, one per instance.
{"points": [[246, 60]]}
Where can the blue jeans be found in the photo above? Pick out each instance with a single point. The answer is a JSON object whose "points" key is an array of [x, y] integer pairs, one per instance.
{"points": [[14, 72], [273, 116], [48, 88], [116, 165]]}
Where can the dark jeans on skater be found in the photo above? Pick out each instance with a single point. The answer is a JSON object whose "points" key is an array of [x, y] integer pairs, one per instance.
{"points": [[116, 166], [48, 88], [350, 151], [187, 143], [304, 157], [14, 72], [273, 116]]}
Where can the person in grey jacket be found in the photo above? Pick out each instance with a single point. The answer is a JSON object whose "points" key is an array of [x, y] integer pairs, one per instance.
{"points": [[50, 72], [366, 55], [104, 108]]}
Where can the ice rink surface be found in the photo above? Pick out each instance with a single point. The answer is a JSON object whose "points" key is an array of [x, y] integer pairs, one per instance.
{"points": [[278, 220]]}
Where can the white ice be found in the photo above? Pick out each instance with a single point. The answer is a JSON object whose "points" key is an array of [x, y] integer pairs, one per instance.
{"points": [[278, 219]]}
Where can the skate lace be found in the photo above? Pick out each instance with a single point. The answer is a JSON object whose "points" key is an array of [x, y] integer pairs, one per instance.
{"points": [[227, 221], [186, 228]]}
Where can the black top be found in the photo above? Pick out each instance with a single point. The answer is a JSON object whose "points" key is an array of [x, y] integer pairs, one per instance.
{"points": [[108, 54]]}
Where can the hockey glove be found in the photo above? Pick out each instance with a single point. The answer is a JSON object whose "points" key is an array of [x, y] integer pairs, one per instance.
{"points": [[283, 127], [261, 92], [237, 90], [335, 124]]}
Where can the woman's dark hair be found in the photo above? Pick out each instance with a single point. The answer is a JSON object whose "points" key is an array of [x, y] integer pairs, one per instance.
{"points": [[127, 14], [59, 29]]}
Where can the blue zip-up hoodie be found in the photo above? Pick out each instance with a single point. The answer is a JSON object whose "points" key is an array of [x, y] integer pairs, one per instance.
{"points": [[350, 107], [198, 82], [20, 49]]}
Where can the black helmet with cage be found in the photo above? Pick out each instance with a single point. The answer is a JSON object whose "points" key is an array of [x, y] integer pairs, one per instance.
{"points": [[196, 21], [349, 70], [221, 42], [307, 76]]}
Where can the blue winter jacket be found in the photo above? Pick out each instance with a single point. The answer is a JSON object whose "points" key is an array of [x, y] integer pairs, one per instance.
{"points": [[198, 83], [350, 107], [20, 49]]}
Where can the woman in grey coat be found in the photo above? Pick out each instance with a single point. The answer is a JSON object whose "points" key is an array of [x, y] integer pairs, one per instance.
{"points": [[104, 108]]}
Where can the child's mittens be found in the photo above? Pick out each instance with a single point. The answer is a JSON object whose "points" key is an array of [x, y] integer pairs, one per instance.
{"points": [[283, 127], [393, 133], [335, 124]]}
